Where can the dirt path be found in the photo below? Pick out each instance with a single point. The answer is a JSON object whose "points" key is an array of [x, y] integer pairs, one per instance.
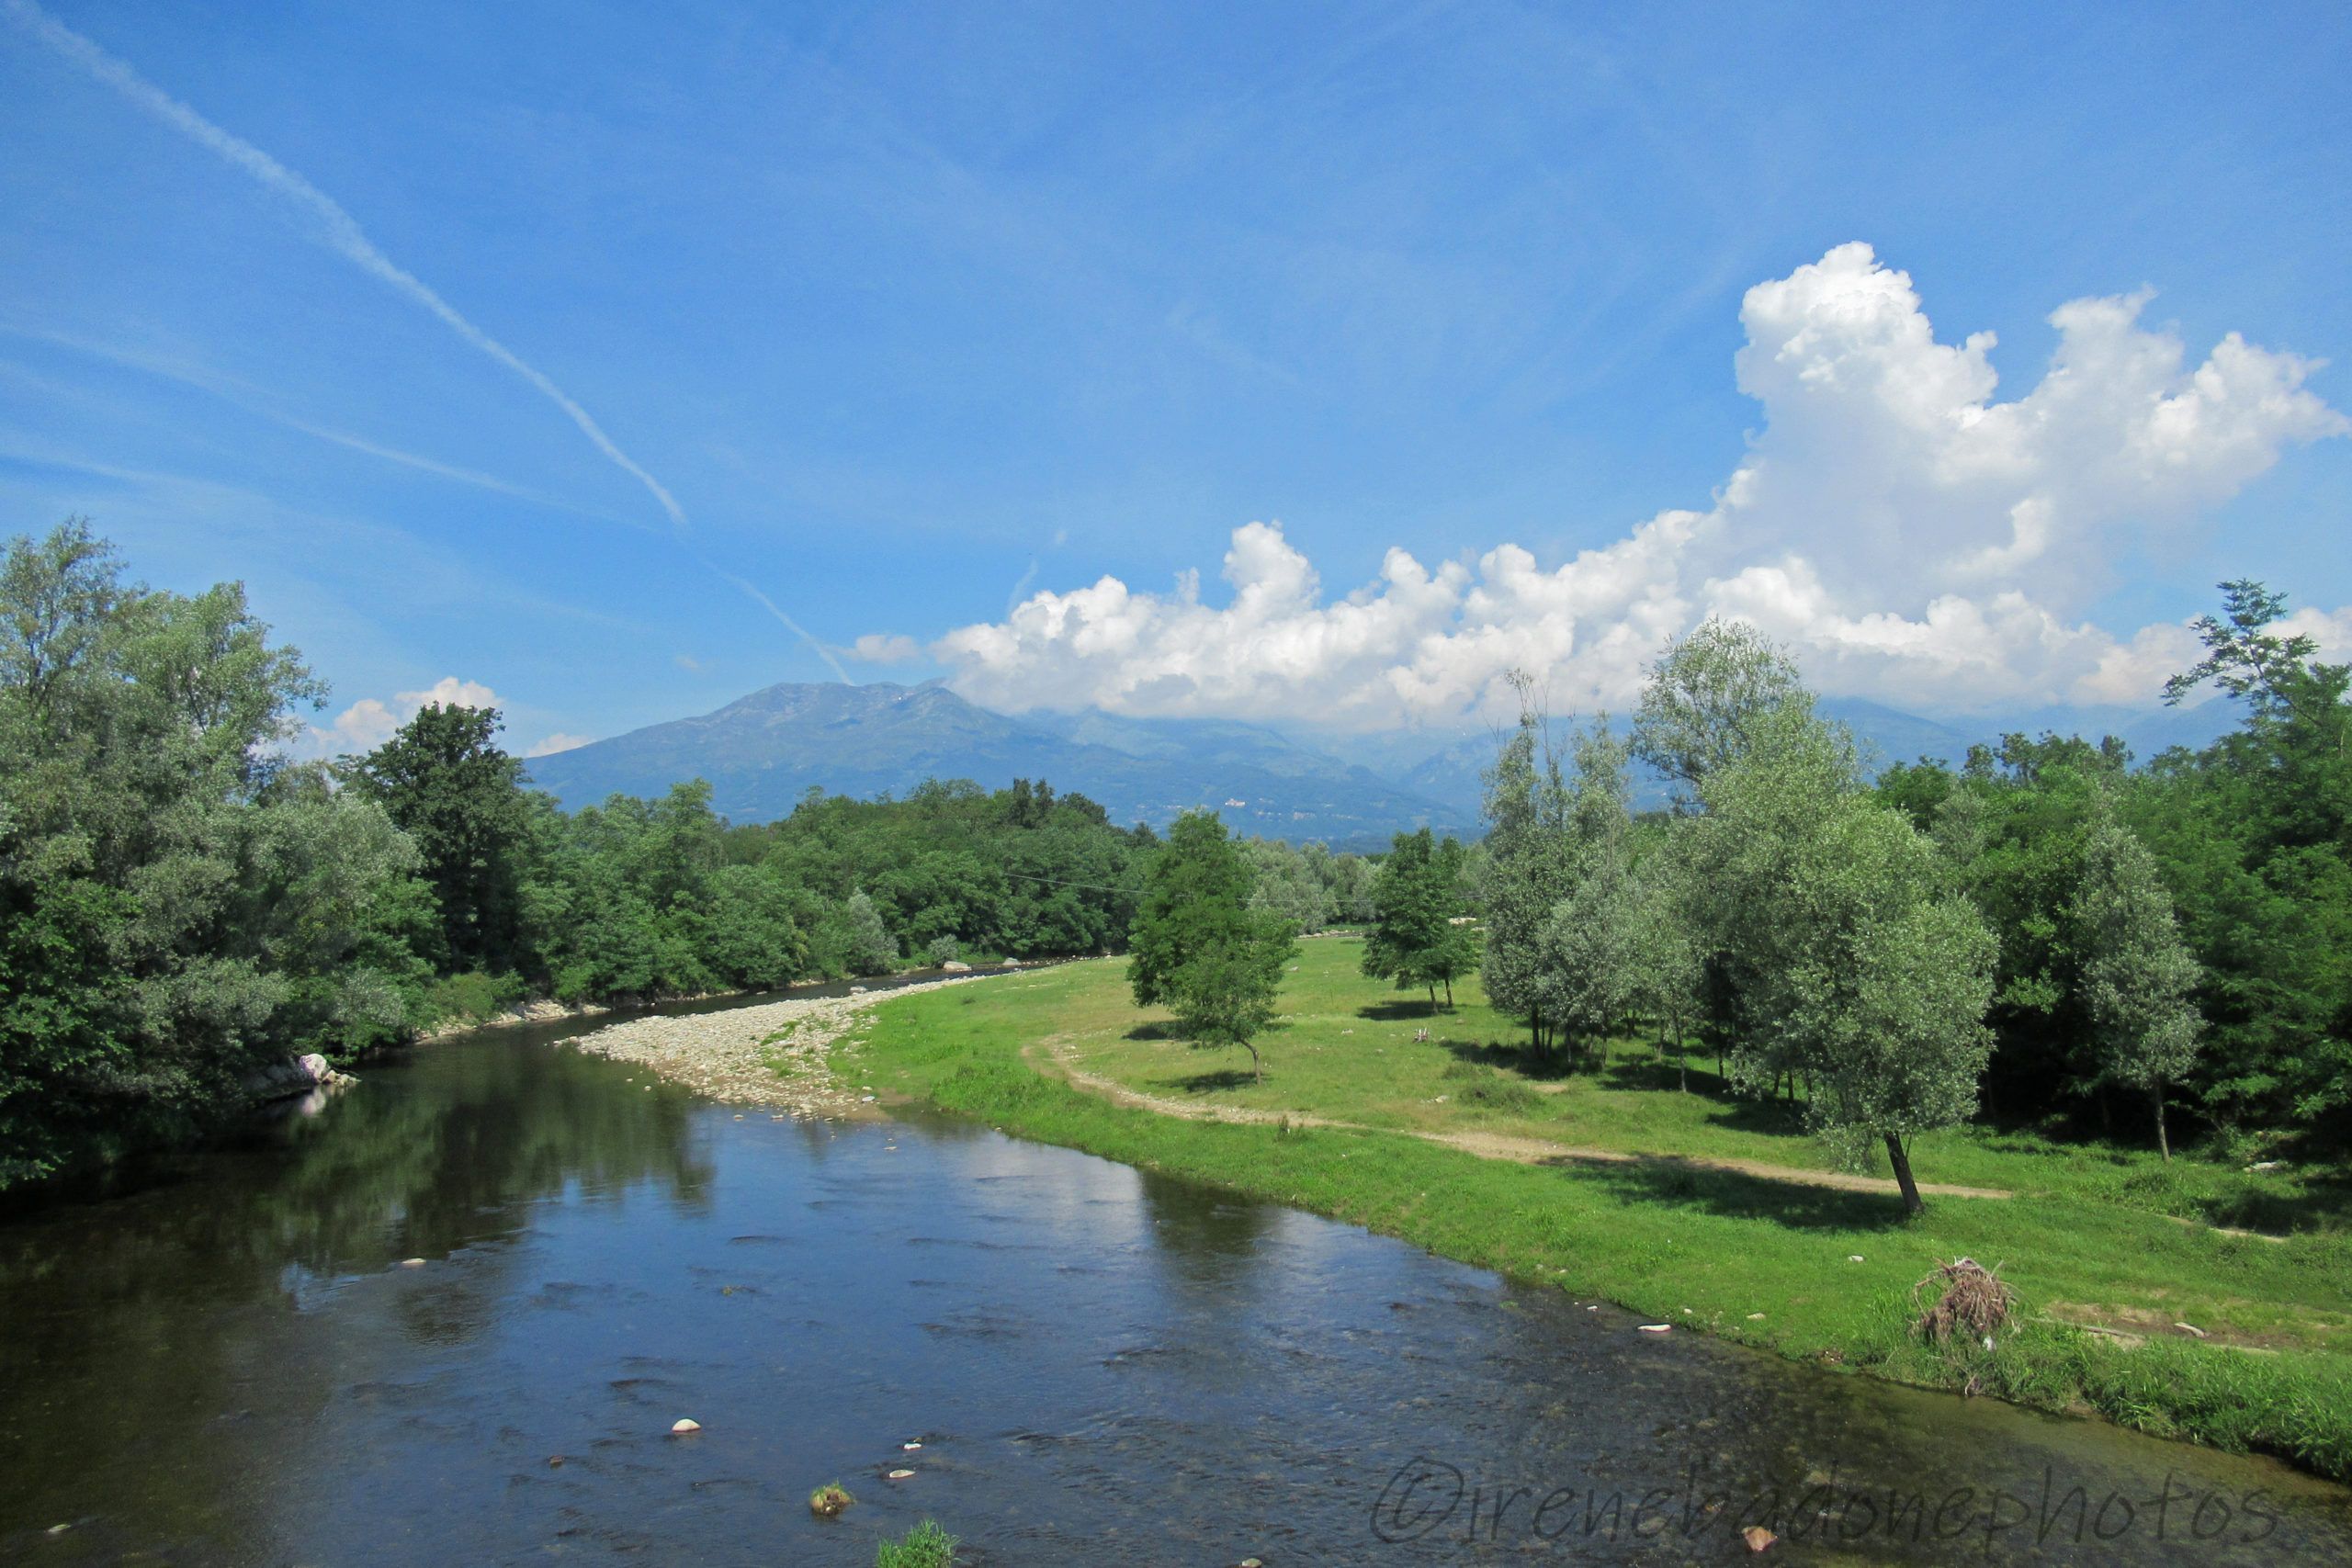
{"points": [[1486, 1146]]}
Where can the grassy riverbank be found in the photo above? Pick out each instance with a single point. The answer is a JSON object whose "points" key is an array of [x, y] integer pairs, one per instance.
{"points": [[2093, 1236]]}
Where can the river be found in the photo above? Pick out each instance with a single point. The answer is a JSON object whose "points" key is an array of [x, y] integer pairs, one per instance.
{"points": [[234, 1364]]}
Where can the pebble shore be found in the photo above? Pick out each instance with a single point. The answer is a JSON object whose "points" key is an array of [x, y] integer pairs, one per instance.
{"points": [[726, 1056]]}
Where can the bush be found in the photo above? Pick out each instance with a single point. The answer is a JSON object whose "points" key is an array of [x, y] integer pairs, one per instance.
{"points": [[472, 995], [1502, 1094], [925, 1546], [943, 950]]}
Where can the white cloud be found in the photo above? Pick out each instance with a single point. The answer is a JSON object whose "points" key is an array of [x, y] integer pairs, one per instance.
{"points": [[370, 722], [1911, 536], [558, 741], [878, 647]]}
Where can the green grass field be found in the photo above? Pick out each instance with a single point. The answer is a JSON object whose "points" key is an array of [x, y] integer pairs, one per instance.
{"points": [[2093, 1235]]}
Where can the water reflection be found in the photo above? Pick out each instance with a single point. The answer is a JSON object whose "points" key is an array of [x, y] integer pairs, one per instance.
{"points": [[1101, 1364]]}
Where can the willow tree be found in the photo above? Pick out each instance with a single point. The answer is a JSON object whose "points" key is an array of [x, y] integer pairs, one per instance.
{"points": [[1860, 971], [2139, 980]]}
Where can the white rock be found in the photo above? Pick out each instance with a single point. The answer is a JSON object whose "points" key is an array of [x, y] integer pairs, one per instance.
{"points": [[901, 1474], [684, 1424], [1853, 1258], [1658, 1328], [412, 1262]]}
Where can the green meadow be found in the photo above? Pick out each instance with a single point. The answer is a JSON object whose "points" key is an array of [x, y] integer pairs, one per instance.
{"points": [[1687, 1206]]}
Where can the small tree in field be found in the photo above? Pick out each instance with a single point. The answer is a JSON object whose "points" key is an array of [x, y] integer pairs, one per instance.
{"points": [[2139, 980], [1416, 901], [1197, 946]]}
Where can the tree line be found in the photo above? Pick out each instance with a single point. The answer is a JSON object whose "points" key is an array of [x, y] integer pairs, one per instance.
{"points": [[2045, 933]]}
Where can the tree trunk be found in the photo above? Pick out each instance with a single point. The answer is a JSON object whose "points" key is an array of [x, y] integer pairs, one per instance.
{"points": [[1902, 1161], [1432, 1000], [2163, 1144], [1449, 993], [1257, 1066]]}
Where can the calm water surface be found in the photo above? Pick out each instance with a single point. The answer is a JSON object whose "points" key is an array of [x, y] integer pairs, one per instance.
{"points": [[1101, 1366]]}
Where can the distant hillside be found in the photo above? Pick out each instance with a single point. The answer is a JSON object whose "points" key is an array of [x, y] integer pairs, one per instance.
{"points": [[762, 752]]}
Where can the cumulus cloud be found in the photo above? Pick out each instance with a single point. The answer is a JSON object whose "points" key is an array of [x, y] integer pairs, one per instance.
{"points": [[1910, 536], [558, 741], [370, 722]]}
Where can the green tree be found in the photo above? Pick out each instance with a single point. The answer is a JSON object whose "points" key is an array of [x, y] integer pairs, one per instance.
{"points": [[1421, 936], [1704, 696], [1528, 866], [1588, 951], [1198, 947], [445, 784], [176, 903], [1860, 972], [1195, 888], [2139, 981], [872, 948]]}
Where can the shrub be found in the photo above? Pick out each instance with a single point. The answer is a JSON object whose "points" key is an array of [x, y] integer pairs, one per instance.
{"points": [[925, 1546], [943, 950], [472, 995]]}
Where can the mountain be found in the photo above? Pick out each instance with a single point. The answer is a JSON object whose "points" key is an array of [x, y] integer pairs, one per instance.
{"points": [[762, 752]]}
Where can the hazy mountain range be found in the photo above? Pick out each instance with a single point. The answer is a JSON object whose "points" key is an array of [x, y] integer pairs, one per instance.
{"points": [[762, 752]]}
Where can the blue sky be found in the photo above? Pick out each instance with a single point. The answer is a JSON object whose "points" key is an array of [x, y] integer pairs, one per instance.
{"points": [[921, 311]]}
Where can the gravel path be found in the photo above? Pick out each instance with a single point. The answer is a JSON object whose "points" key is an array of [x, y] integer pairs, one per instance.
{"points": [[727, 1055]]}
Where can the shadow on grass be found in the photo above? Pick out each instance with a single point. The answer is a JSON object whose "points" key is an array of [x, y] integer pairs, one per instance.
{"points": [[1152, 1032], [1413, 1011], [1792, 1205], [1213, 1082], [1519, 1058]]}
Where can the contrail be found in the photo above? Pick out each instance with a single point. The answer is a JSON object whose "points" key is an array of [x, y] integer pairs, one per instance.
{"points": [[770, 606], [343, 235], [343, 232]]}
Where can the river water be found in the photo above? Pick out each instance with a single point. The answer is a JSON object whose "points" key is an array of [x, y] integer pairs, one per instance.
{"points": [[232, 1365]]}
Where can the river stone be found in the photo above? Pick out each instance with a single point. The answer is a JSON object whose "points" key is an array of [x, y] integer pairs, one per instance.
{"points": [[901, 1474], [684, 1424]]}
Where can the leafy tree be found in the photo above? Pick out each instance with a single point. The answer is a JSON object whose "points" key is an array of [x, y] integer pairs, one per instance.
{"points": [[445, 782], [1421, 935], [1196, 888], [1588, 951], [1528, 865], [872, 948], [2139, 980], [1198, 947], [1703, 697], [171, 902], [1860, 972]]}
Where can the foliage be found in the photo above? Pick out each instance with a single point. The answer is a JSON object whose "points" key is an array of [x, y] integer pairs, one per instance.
{"points": [[1703, 697], [1860, 972], [2139, 981], [925, 1546], [1421, 935], [176, 906], [1199, 945]]}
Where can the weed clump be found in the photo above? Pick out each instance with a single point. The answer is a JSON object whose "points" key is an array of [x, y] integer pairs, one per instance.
{"points": [[1971, 1301], [829, 1500]]}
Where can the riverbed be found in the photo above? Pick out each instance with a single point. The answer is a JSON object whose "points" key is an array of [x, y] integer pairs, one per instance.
{"points": [[452, 1316]]}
